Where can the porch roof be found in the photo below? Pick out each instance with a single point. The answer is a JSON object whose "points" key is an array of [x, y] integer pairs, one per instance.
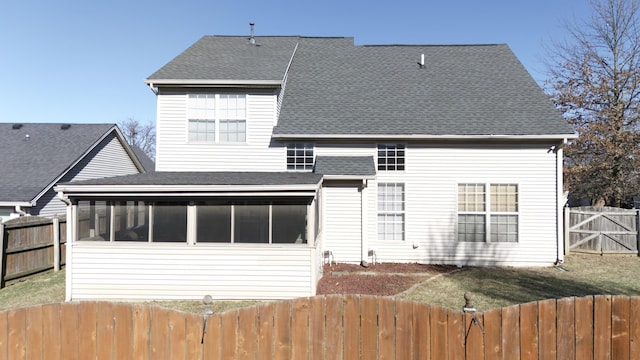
{"points": [[185, 183], [345, 167]]}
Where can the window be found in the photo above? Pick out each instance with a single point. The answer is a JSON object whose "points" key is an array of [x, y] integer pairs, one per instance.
{"points": [[299, 156], [217, 118], [391, 211], [494, 213], [390, 157]]}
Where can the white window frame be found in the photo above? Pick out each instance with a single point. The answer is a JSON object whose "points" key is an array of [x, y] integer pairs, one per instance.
{"points": [[385, 149], [489, 212], [300, 162], [216, 110], [389, 213]]}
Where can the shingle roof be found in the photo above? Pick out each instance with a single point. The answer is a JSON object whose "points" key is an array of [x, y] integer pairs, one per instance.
{"points": [[207, 178], [230, 58], [33, 155], [378, 90], [345, 165]]}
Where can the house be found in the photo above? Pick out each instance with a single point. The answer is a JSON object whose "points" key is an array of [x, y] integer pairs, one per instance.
{"points": [[277, 154], [36, 156]]}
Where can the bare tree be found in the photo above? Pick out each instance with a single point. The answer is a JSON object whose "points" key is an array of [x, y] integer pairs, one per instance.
{"points": [[595, 81], [142, 135]]}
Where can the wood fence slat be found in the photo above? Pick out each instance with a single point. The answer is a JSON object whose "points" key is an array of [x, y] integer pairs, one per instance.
{"points": [[474, 349], [511, 332], [620, 312], [177, 336], [439, 344], [455, 334], [69, 319], [51, 331], [17, 337], [265, 331], [300, 329], [334, 327], [493, 334], [4, 329], [386, 328], [123, 330], [547, 329], [351, 327], [247, 333], [104, 331], [404, 327], [566, 333], [634, 328], [141, 317], [34, 333], [193, 336], [602, 327], [529, 339], [211, 339], [282, 330], [369, 309], [229, 328], [159, 334], [584, 327], [421, 331]]}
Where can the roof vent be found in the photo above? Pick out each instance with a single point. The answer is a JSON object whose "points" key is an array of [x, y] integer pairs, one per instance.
{"points": [[252, 39], [421, 62], [65, 126], [16, 126]]}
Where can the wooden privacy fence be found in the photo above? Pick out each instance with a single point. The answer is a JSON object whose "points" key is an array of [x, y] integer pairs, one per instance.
{"points": [[601, 230], [30, 246], [331, 327]]}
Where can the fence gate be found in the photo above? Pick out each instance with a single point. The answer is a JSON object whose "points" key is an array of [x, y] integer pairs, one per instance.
{"points": [[601, 230]]}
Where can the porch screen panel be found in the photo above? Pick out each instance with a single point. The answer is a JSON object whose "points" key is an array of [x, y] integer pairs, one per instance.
{"points": [[130, 221], [169, 222], [289, 224], [214, 223], [93, 221], [251, 224]]}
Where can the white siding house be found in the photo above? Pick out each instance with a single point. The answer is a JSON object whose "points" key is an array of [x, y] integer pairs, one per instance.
{"points": [[279, 155]]}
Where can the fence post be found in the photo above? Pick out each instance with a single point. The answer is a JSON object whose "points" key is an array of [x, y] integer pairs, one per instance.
{"points": [[567, 225], [638, 231], [2, 255], [56, 243]]}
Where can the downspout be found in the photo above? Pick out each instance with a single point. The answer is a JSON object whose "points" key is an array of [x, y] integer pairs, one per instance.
{"points": [[71, 233], [363, 225], [559, 203], [19, 211], [152, 89]]}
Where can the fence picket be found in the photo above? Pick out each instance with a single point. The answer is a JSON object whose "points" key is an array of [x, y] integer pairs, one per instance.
{"points": [[511, 332], [492, 326], [634, 328], [403, 330], [584, 328], [455, 336], [211, 339], [247, 333], [474, 324], [158, 333], [421, 331], [229, 333], [141, 336], [177, 336], [265, 331], [193, 336], [386, 329], [69, 339], [351, 327], [300, 329], [369, 309], [34, 333], [529, 337], [547, 327], [16, 337], [620, 327], [51, 328], [439, 343], [566, 339], [334, 337], [602, 327], [282, 330]]}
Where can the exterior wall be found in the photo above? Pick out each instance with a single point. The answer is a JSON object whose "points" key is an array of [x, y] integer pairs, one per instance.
{"points": [[342, 221], [431, 178], [175, 153], [154, 271], [108, 158]]}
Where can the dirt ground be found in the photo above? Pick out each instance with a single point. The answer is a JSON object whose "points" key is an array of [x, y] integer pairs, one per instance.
{"points": [[384, 279]]}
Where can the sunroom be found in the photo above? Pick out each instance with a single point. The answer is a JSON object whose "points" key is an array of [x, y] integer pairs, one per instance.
{"points": [[176, 235]]}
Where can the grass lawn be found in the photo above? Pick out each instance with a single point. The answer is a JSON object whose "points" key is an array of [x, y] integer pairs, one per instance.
{"points": [[499, 287], [491, 287]]}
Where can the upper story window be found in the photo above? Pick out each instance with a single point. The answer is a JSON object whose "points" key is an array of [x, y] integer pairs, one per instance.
{"points": [[391, 157], [299, 156], [493, 213], [217, 118]]}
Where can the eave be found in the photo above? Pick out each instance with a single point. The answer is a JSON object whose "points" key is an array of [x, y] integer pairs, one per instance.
{"points": [[489, 137], [213, 83]]}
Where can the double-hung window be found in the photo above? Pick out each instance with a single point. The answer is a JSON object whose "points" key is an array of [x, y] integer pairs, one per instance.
{"points": [[217, 118], [487, 212], [391, 211], [299, 156], [391, 157]]}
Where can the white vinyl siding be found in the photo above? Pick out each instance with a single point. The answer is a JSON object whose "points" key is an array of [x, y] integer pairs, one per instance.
{"points": [[342, 227], [242, 145], [108, 158], [165, 271]]}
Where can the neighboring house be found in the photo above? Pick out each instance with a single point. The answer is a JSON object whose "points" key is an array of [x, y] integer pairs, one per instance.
{"points": [[37, 156], [276, 154]]}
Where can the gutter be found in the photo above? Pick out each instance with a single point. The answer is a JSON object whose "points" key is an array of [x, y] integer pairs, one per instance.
{"points": [[563, 137]]}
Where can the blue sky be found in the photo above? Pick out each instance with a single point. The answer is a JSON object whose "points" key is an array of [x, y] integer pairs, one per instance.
{"points": [[85, 61]]}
